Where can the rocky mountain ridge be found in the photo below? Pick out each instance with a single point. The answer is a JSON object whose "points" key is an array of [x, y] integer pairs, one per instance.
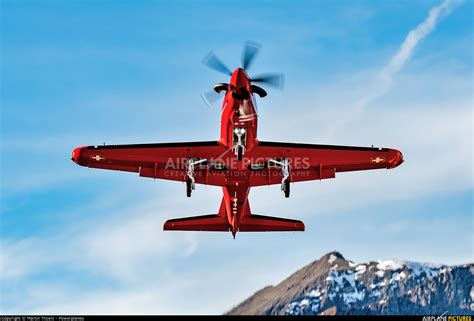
{"points": [[334, 285]]}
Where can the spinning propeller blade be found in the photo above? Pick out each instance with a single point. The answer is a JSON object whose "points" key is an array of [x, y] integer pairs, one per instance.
{"points": [[215, 63], [210, 97], [250, 52], [271, 79]]}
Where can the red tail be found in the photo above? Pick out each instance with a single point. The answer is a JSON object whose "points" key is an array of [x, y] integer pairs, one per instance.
{"points": [[260, 223], [211, 222], [214, 222], [218, 223]]}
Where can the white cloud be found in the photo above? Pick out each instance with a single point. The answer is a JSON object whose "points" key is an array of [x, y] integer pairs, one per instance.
{"points": [[383, 80], [416, 35], [115, 244]]}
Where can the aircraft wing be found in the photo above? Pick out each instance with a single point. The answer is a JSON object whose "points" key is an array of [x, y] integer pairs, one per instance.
{"points": [[314, 162], [161, 160]]}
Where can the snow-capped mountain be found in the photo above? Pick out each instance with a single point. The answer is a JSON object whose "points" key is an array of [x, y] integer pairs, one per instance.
{"points": [[334, 285]]}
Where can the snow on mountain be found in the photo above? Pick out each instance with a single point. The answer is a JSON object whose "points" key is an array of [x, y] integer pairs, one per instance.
{"points": [[338, 286]]}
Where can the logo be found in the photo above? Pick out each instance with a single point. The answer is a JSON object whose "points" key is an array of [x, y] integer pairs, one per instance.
{"points": [[97, 158], [377, 159]]}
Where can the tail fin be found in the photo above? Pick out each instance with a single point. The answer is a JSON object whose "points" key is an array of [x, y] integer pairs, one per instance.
{"points": [[260, 223], [212, 222]]}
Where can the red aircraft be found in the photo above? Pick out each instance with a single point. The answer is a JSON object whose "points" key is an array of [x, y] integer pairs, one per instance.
{"points": [[238, 160]]}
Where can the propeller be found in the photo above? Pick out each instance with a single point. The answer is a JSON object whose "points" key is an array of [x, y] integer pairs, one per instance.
{"points": [[271, 79], [250, 52], [212, 61], [210, 97]]}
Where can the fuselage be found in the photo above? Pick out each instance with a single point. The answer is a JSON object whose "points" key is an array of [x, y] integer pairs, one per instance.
{"points": [[238, 112]]}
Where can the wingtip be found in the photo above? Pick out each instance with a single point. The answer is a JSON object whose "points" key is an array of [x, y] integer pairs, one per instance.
{"points": [[396, 160], [76, 154]]}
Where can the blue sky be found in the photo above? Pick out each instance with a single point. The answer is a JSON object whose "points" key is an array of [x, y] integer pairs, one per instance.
{"points": [[75, 240]]}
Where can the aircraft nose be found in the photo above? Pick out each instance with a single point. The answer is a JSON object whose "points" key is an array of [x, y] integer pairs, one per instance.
{"points": [[396, 160], [240, 78]]}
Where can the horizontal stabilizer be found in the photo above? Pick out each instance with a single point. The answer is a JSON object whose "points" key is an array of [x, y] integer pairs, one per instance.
{"points": [[260, 223], [212, 222]]}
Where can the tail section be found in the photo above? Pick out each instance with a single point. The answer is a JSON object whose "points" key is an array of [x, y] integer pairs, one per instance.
{"points": [[247, 223], [260, 223]]}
